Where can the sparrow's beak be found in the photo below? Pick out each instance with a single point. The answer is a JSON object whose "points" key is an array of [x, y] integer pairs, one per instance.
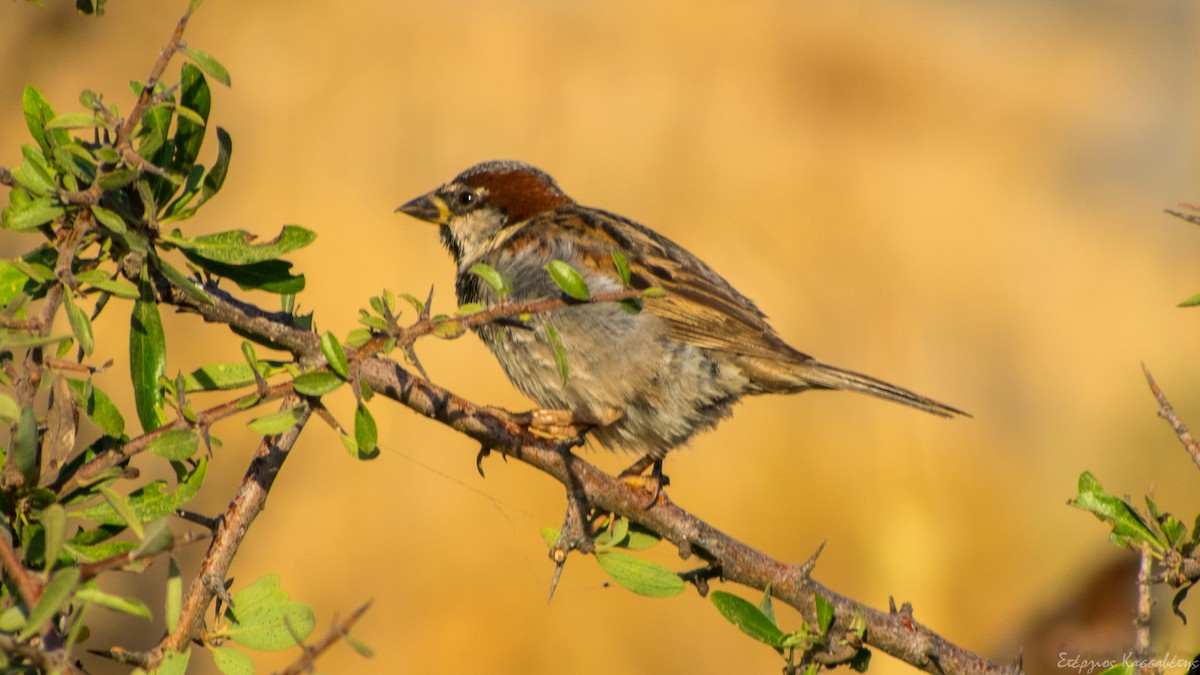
{"points": [[428, 207]]}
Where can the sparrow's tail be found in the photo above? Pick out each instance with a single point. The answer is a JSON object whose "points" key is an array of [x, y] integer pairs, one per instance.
{"points": [[770, 376], [822, 376]]}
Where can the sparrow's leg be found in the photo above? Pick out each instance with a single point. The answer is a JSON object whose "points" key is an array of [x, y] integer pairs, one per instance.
{"points": [[654, 482], [565, 424]]}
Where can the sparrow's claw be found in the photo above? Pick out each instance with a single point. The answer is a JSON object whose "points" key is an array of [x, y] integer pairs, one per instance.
{"points": [[559, 425], [654, 482], [564, 425]]}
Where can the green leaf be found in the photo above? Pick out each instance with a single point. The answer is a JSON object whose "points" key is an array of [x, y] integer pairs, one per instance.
{"points": [[824, 613], [55, 596], [158, 148], [208, 64], [358, 337], [1191, 302], [189, 115], [640, 576], [446, 328], [366, 435], [54, 523], [92, 7], [639, 538], [1173, 529], [81, 326], [1178, 599], [181, 281], [114, 602], [120, 506], [279, 422], [147, 358], [335, 355], [88, 553], [261, 610], [360, 647], [175, 444], [11, 620], [215, 177], [9, 410], [109, 219], [100, 280], [1128, 528], [613, 535], [157, 539], [1122, 668], [12, 282], [497, 281], [37, 114], [747, 618], [35, 174], [223, 376], [174, 595], [190, 484], [19, 340], [173, 663], [622, 265], [32, 215], [74, 120], [560, 354], [237, 247], [149, 502], [766, 607], [79, 164], [116, 179], [273, 276], [24, 444], [194, 96], [271, 627], [98, 407], [549, 535], [107, 155], [232, 662], [317, 383], [249, 355], [414, 301], [568, 279], [350, 445], [39, 263]]}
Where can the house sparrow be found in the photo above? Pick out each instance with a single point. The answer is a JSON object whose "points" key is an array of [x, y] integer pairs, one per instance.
{"points": [[648, 381]]}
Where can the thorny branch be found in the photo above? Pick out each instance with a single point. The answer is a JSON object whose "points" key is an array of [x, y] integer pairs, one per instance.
{"points": [[895, 633], [242, 510], [1167, 412], [338, 631], [1178, 570], [1141, 619], [231, 529]]}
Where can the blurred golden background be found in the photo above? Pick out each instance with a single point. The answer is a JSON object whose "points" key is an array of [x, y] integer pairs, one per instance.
{"points": [[962, 198]]}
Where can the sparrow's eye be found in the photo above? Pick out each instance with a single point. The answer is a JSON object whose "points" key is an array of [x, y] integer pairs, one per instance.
{"points": [[467, 198]]}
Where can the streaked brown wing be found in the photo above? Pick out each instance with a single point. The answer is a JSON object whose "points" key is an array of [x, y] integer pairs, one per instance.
{"points": [[700, 306], [705, 315]]}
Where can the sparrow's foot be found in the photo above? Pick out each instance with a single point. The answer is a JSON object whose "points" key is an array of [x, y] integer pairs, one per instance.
{"points": [[565, 425], [558, 425], [653, 482]]}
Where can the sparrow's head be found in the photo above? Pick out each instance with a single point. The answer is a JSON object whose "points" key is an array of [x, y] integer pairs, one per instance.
{"points": [[478, 207]]}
